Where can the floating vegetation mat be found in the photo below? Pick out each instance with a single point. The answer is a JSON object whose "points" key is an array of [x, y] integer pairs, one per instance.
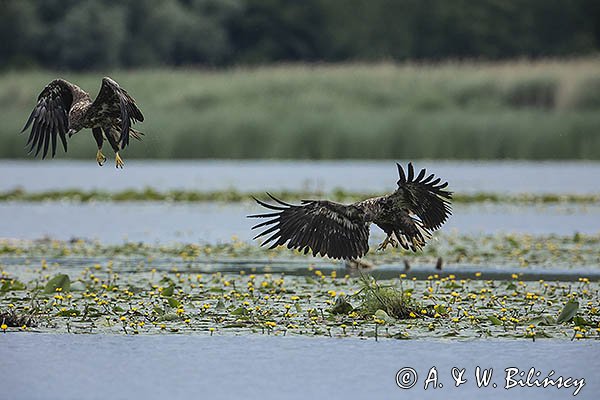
{"points": [[83, 287], [341, 195], [514, 250], [100, 300]]}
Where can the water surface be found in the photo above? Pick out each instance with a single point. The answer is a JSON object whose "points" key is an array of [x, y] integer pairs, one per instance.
{"points": [[217, 222], [507, 177], [258, 367]]}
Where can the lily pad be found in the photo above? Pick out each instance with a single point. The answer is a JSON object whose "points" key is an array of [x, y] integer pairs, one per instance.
{"points": [[568, 312], [60, 281]]}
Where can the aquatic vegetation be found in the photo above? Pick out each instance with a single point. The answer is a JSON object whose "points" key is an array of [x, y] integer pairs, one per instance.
{"points": [[11, 318], [515, 250], [232, 195], [390, 300], [119, 296]]}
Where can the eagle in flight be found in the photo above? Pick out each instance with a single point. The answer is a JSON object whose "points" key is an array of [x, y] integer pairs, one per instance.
{"points": [[64, 109], [408, 216]]}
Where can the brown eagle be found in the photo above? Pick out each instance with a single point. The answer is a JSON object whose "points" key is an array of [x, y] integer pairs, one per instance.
{"points": [[408, 216], [64, 109]]}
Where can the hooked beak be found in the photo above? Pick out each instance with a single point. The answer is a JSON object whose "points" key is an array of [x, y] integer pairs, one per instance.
{"points": [[71, 132]]}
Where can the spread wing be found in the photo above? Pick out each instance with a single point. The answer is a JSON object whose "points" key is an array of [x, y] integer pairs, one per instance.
{"points": [[114, 103], [50, 117], [322, 227], [425, 197]]}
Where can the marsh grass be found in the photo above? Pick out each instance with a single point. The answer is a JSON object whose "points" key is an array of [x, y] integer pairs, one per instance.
{"points": [[395, 302], [15, 319], [520, 110]]}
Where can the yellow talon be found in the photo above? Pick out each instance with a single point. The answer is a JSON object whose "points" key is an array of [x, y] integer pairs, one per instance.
{"points": [[100, 158], [388, 241], [119, 161]]}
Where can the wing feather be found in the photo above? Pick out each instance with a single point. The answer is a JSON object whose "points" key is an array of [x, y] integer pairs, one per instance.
{"points": [[50, 117], [318, 226], [426, 198], [114, 103]]}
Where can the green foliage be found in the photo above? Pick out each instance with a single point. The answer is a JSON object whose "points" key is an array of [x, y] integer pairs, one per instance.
{"points": [[512, 110], [386, 301], [234, 196], [95, 34], [568, 312], [60, 282], [9, 285], [341, 306]]}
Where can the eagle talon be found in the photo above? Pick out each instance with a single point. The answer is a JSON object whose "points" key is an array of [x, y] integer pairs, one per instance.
{"points": [[100, 158], [388, 241], [119, 161]]}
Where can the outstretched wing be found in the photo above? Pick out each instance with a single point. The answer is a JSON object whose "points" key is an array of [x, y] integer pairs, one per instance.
{"points": [[323, 227], [425, 197], [114, 103], [50, 117]]}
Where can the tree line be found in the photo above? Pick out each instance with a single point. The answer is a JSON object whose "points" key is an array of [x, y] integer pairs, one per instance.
{"points": [[100, 34]]}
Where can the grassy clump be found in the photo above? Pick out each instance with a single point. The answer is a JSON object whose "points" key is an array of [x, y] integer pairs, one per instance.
{"points": [[396, 303], [518, 110], [17, 320]]}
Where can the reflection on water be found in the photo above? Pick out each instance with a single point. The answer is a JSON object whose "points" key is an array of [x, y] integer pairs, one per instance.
{"points": [[276, 367], [216, 222], [370, 176]]}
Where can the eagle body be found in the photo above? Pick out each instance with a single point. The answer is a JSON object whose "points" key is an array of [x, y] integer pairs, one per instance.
{"points": [[408, 216], [63, 108]]}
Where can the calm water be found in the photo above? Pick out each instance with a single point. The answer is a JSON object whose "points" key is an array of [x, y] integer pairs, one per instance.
{"points": [[211, 222], [464, 177], [40, 366], [216, 222]]}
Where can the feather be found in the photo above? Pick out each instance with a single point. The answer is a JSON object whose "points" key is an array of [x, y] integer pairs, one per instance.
{"points": [[49, 119], [320, 227]]}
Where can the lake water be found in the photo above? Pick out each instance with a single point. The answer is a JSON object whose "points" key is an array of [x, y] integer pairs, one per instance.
{"points": [[364, 176], [48, 366], [212, 222], [45, 366], [216, 222]]}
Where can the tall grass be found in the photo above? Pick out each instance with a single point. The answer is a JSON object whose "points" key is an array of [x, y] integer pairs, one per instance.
{"points": [[520, 110]]}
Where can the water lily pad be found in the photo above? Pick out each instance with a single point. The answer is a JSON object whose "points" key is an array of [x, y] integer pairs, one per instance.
{"points": [[568, 312], [60, 281]]}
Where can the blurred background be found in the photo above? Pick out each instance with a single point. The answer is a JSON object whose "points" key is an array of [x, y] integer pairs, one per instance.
{"points": [[319, 79]]}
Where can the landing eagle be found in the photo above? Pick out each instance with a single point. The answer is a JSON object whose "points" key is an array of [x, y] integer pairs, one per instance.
{"points": [[408, 216], [63, 109]]}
